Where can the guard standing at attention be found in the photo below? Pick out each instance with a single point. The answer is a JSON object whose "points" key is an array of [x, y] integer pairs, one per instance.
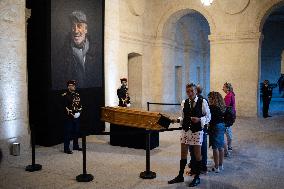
{"points": [[266, 98], [73, 109], [122, 94]]}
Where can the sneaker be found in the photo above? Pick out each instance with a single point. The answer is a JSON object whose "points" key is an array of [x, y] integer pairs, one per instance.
{"points": [[227, 154], [216, 170], [204, 170], [230, 149], [221, 167]]}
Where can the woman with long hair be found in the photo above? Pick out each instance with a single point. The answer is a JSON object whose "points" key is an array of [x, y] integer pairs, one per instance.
{"points": [[217, 129], [229, 102]]}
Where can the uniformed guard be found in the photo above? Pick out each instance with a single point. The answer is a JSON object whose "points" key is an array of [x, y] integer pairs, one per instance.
{"points": [[122, 94], [266, 98], [73, 109]]}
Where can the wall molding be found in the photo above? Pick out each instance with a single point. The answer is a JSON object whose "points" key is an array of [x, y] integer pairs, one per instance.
{"points": [[147, 40], [240, 37]]}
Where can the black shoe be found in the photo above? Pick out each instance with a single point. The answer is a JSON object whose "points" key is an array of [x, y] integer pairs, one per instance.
{"points": [[77, 148], [189, 165], [204, 170], [269, 116], [178, 179], [191, 172], [195, 182], [68, 152]]}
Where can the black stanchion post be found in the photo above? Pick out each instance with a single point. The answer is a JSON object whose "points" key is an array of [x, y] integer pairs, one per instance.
{"points": [[33, 167], [84, 177], [148, 174]]}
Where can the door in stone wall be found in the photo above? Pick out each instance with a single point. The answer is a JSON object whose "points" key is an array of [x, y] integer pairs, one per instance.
{"points": [[135, 79]]}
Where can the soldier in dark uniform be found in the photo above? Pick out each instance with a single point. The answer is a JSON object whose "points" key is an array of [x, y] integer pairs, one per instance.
{"points": [[266, 97], [122, 94], [73, 109]]}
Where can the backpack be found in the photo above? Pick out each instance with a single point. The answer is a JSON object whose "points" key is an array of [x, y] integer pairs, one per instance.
{"points": [[229, 115]]}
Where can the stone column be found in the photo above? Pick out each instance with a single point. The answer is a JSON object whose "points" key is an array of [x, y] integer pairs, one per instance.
{"points": [[111, 51], [13, 74], [235, 59], [205, 62]]}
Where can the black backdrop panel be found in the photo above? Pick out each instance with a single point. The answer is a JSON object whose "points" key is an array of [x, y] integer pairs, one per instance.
{"points": [[48, 29]]}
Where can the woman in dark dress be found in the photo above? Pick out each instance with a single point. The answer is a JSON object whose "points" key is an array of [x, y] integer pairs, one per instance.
{"points": [[217, 129]]}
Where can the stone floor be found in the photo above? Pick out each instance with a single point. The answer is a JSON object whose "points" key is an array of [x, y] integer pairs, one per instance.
{"points": [[256, 162]]}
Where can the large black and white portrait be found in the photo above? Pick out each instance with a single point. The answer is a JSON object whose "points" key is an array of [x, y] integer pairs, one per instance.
{"points": [[76, 43]]}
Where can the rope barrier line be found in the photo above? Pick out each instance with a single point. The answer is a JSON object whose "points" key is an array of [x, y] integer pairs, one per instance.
{"points": [[138, 132], [159, 103]]}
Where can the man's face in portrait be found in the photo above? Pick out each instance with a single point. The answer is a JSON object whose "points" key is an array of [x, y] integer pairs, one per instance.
{"points": [[79, 31]]}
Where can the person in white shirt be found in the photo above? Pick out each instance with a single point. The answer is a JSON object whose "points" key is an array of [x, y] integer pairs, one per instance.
{"points": [[195, 114]]}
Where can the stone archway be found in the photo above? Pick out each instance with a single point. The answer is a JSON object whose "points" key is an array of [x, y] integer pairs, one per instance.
{"points": [[265, 11], [270, 51], [174, 13], [166, 46]]}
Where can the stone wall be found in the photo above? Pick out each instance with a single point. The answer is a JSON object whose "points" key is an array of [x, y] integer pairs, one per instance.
{"points": [[234, 45], [13, 74]]}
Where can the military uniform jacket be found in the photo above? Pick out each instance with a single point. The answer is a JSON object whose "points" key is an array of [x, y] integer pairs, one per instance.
{"points": [[72, 104], [266, 92], [124, 99]]}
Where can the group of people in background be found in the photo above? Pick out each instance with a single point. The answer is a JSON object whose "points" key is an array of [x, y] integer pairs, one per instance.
{"points": [[201, 117]]}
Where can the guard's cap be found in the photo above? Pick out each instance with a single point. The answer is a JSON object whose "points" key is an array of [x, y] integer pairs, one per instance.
{"points": [[71, 82], [123, 79]]}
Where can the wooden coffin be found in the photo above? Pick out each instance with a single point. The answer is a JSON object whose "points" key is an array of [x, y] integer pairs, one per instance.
{"points": [[135, 118]]}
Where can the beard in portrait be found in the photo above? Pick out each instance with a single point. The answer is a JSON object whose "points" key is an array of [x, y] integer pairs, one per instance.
{"points": [[76, 60]]}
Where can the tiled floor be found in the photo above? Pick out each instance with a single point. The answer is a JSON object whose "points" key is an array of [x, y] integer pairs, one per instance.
{"points": [[256, 162]]}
